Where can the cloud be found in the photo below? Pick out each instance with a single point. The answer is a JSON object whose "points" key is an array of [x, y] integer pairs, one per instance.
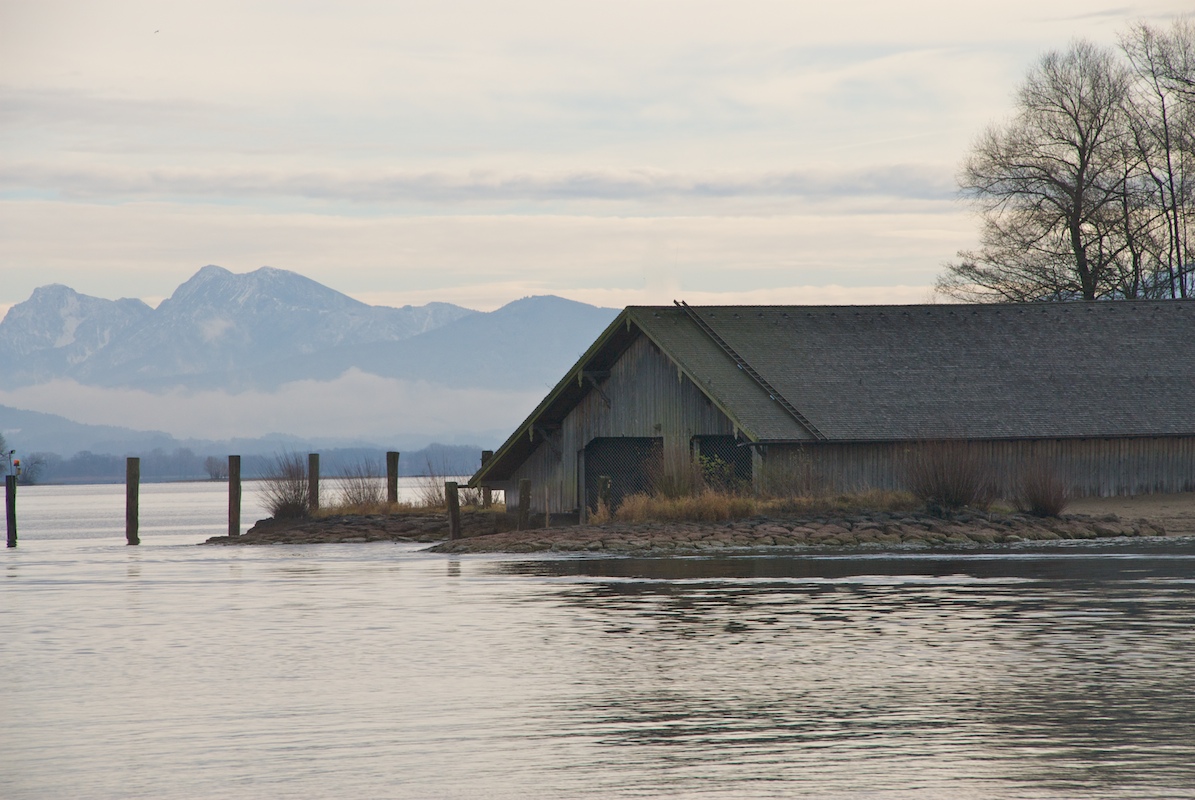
{"points": [[354, 405], [88, 181]]}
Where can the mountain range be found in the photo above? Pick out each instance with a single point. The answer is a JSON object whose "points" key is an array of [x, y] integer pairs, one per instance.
{"points": [[227, 332]]}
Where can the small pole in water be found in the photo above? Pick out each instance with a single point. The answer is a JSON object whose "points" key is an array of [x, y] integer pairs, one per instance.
{"points": [[454, 510], [524, 502], [234, 495], [132, 487], [313, 482], [392, 477], [10, 506], [487, 494]]}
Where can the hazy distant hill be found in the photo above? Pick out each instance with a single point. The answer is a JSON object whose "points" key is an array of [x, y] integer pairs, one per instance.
{"points": [[165, 457], [33, 431], [221, 330], [57, 329], [216, 322], [221, 321], [452, 375], [525, 344]]}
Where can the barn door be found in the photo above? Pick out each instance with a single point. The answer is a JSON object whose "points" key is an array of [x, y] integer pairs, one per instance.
{"points": [[632, 462], [724, 464]]}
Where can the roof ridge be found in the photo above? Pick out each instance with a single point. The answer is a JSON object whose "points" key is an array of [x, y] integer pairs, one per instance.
{"points": [[773, 393]]}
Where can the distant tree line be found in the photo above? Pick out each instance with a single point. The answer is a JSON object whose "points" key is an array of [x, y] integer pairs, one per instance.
{"points": [[1088, 191], [184, 464]]}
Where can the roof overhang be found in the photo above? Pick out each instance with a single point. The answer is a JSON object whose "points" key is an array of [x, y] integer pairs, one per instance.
{"points": [[579, 381], [572, 388]]}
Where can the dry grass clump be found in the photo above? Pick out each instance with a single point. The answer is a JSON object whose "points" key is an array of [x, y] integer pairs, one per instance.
{"points": [[791, 476], [947, 476], [361, 486], [714, 506], [705, 506], [284, 487], [1041, 491], [843, 503]]}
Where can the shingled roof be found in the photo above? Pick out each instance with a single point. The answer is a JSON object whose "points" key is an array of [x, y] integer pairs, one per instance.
{"points": [[884, 373], [1059, 370]]}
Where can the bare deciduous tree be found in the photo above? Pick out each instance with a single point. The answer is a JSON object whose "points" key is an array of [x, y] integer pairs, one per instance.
{"points": [[216, 468], [1163, 118], [1051, 186]]}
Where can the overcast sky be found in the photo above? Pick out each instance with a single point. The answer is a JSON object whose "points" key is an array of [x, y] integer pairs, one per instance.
{"points": [[478, 152]]}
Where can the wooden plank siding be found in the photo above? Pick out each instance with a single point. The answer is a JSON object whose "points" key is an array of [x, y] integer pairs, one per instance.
{"points": [[1093, 467], [647, 397]]}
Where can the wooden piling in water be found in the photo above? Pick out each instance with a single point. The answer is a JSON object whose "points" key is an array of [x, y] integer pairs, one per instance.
{"points": [[487, 495], [392, 477], [524, 502], [454, 510], [234, 495], [132, 499], [10, 507], [313, 482]]}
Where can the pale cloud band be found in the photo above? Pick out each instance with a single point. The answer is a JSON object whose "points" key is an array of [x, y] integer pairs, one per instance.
{"points": [[113, 184]]}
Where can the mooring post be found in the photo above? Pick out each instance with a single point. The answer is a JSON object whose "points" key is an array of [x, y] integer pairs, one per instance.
{"points": [[234, 495], [132, 499], [392, 477], [313, 482], [487, 495], [454, 510], [524, 502], [10, 507]]}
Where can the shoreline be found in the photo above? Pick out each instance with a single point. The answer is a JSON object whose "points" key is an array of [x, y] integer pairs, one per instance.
{"points": [[871, 530]]}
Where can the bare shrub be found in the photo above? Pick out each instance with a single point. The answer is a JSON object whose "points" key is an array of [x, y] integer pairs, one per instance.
{"points": [[430, 492], [216, 468], [430, 489], [947, 476], [469, 496], [360, 487], [284, 487], [1041, 491]]}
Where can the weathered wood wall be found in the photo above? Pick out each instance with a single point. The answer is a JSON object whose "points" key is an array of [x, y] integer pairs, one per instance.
{"points": [[1093, 467], [647, 397]]}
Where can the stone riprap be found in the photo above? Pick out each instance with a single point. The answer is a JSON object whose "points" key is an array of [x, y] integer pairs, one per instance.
{"points": [[866, 530], [358, 528], [853, 530]]}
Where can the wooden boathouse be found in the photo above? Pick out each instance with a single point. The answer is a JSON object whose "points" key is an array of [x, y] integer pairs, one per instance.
{"points": [[1102, 392]]}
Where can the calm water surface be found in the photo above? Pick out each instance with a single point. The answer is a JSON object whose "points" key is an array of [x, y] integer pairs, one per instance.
{"points": [[375, 670]]}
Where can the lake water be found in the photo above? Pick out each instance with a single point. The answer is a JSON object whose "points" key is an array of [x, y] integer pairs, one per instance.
{"points": [[377, 671]]}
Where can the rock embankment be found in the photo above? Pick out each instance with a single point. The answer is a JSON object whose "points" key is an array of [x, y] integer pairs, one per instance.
{"points": [[868, 529], [358, 528]]}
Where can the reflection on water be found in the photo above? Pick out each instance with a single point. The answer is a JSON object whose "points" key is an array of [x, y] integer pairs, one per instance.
{"points": [[1046, 676], [378, 671]]}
